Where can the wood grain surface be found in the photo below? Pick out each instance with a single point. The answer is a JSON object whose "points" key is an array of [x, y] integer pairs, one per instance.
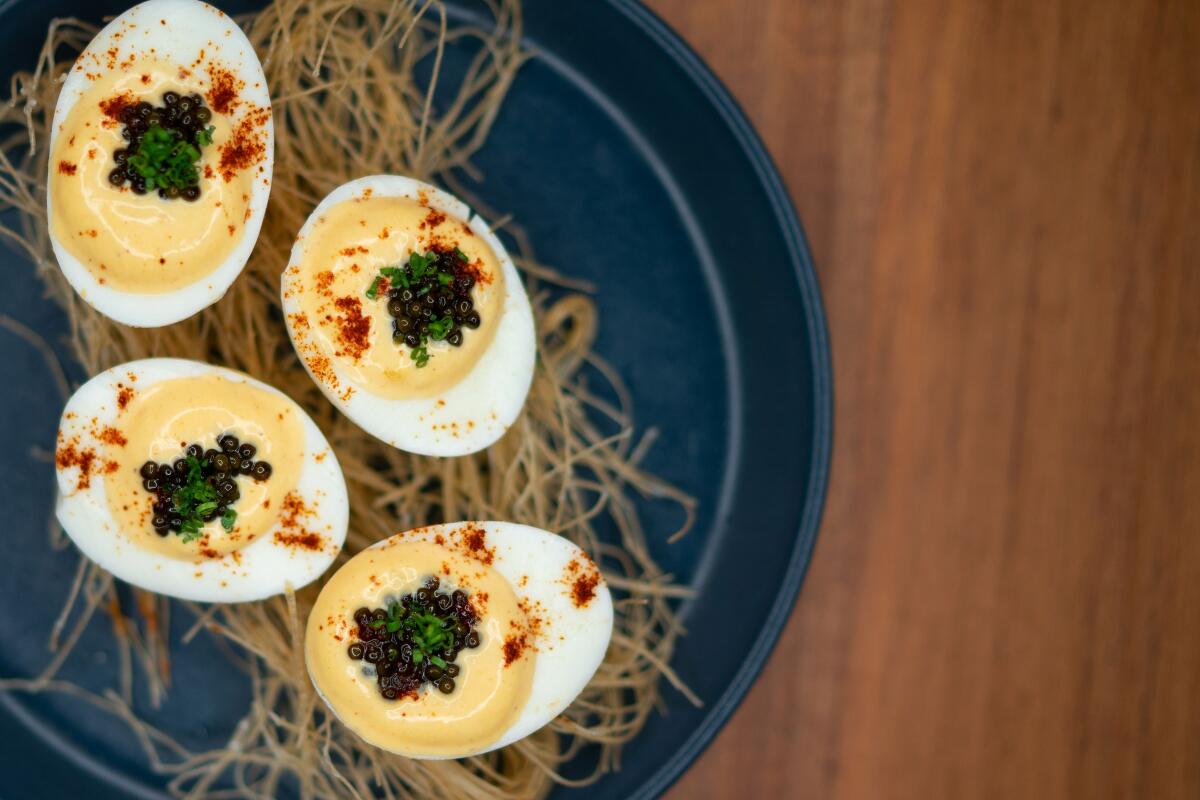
{"points": [[1003, 200]]}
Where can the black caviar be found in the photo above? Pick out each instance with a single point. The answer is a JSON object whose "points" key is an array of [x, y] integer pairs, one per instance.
{"points": [[429, 298], [164, 147], [416, 640], [200, 486]]}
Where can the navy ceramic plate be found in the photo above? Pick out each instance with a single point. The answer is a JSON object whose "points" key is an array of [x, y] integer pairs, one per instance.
{"points": [[615, 143]]}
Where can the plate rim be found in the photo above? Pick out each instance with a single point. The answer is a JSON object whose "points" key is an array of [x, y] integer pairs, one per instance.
{"points": [[701, 75]]}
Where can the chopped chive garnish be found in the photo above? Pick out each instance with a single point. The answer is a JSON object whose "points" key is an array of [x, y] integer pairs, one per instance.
{"points": [[165, 160], [429, 299], [438, 328], [425, 633]]}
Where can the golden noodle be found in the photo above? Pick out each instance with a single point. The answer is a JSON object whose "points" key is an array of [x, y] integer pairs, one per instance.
{"points": [[347, 103]]}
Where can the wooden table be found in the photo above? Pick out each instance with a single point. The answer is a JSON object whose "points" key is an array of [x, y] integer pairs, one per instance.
{"points": [[1003, 200]]}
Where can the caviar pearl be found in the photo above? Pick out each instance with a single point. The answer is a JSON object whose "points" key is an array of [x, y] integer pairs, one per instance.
{"points": [[436, 305], [140, 118], [215, 469], [405, 659]]}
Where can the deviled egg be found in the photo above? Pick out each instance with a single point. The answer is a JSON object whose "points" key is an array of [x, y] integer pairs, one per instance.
{"points": [[408, 313], [161, 151], [456, 639], [198, 482]]}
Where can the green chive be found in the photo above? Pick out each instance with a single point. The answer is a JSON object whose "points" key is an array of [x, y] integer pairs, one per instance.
{"points": [[165, 160], [438, 328]]}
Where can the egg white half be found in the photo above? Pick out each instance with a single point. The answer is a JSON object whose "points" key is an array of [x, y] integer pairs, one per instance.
{"points": [[263, 568], [571, 642], [476, 411], [178, 30]]}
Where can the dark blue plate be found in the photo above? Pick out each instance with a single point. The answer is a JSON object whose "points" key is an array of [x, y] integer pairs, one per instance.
{"points": [[629, 165]]}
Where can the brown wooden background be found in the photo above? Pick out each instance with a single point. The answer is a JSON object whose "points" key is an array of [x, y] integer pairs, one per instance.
{"points": [[1003, 199]]}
